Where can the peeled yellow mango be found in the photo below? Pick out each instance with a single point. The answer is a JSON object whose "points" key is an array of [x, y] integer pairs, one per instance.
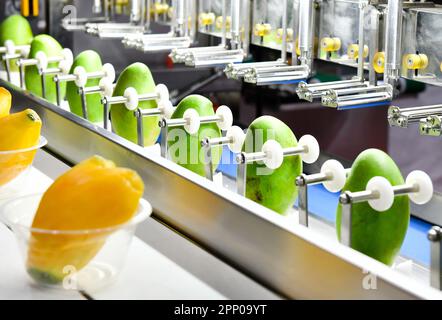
{"points": [[5, 102], [94, 194], [18, 131]]}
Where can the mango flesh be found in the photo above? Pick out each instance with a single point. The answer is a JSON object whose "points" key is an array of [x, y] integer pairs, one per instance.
{"points": [[19, 131], [17, 29], [184, 148], [95, 194], [137, 76], [377, 234], [91, 62], [52, 48], [274, 189], [5, 102]]}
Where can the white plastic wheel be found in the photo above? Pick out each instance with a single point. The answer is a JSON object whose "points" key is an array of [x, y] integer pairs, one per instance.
{"points": [[10, 47], [81, 76], [42, 60], [67, 56], [132, 98], [312, 146], [274, 154], [25, 51], [337, 171], [226, 117], [109, 72], [386, 193], [64, 66], [237, 136], [163, 94], [193, 121], [423, 181], [106, 86], [167, 109]]}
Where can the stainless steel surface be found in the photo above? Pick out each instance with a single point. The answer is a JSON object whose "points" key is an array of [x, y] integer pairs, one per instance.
{"points": [[197, 208], [393, 41]]}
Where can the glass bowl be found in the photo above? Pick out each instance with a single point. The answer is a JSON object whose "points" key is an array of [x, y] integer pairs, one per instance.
{"points": [[82, 260], [14, 168]]}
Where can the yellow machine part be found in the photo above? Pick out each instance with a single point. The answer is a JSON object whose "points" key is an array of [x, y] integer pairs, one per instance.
{"points": [[353, 51], [330, 44], [220, 21], [289, 34], [207, 18], [415, 61], [262, 29], [379, 62]]}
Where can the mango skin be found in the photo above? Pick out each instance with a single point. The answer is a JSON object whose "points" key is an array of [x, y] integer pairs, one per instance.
{"points": [[17, 29], [377, 234], [19, 131], [51, 47], [276, 189], [137, 76], [5, 102], [91, 62], [181, 142], [95, 194]]}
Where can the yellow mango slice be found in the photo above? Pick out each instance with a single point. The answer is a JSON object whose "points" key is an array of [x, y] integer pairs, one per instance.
{"points": [[5, 102], [17, 131], [93, 195]]}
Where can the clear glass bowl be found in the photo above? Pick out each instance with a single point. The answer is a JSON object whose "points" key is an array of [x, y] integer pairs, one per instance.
{"points": [[85, 260], [14, 168]]}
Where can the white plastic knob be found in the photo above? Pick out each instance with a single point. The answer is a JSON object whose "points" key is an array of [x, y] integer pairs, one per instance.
{"points": [[167, 109], [312, 146], [192, 121], [10, 47], [106, 86], [67, 56], [338, 175], [226, 117], [386, 193], [109, 72], [163, 94], [131, 96], [237, 136], [274, 154], [81, 77], [64, 66], [425, 185], [42, 60], [25, 51]]}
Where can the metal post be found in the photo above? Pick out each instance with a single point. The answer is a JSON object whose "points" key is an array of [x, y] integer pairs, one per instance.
{"points": [[306, 32], [163, 140], [83, 103], [393, 41], [57, 90], [43, 85], [22, 76], [434, 235], [8, 71], [241, 177], [106, 112], [302, 199], [208, 161], [140, 128], [361, 60]]}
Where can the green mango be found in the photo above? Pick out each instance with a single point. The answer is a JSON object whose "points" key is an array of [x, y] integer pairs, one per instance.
{"points": [[184, 148], [377, 234], [17, 29], [274, 189], [91, 62], [52, 48], [124, 123]]}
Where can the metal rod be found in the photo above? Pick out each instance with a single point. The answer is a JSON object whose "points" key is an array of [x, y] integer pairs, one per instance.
{"points": [[207, 145], [57, 91], [284, 31], [393, 41], [83, 104]]}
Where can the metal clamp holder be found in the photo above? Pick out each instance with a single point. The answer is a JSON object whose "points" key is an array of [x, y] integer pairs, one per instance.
{"points": [[191, 122], [380, 196], [81, 77], [234, 139], [368, 96], [402, 117], [41, 61], [313, 91], [272, 155], [332, 175], [280, 72], [435, 237], [9, 52], [131, 100]]}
